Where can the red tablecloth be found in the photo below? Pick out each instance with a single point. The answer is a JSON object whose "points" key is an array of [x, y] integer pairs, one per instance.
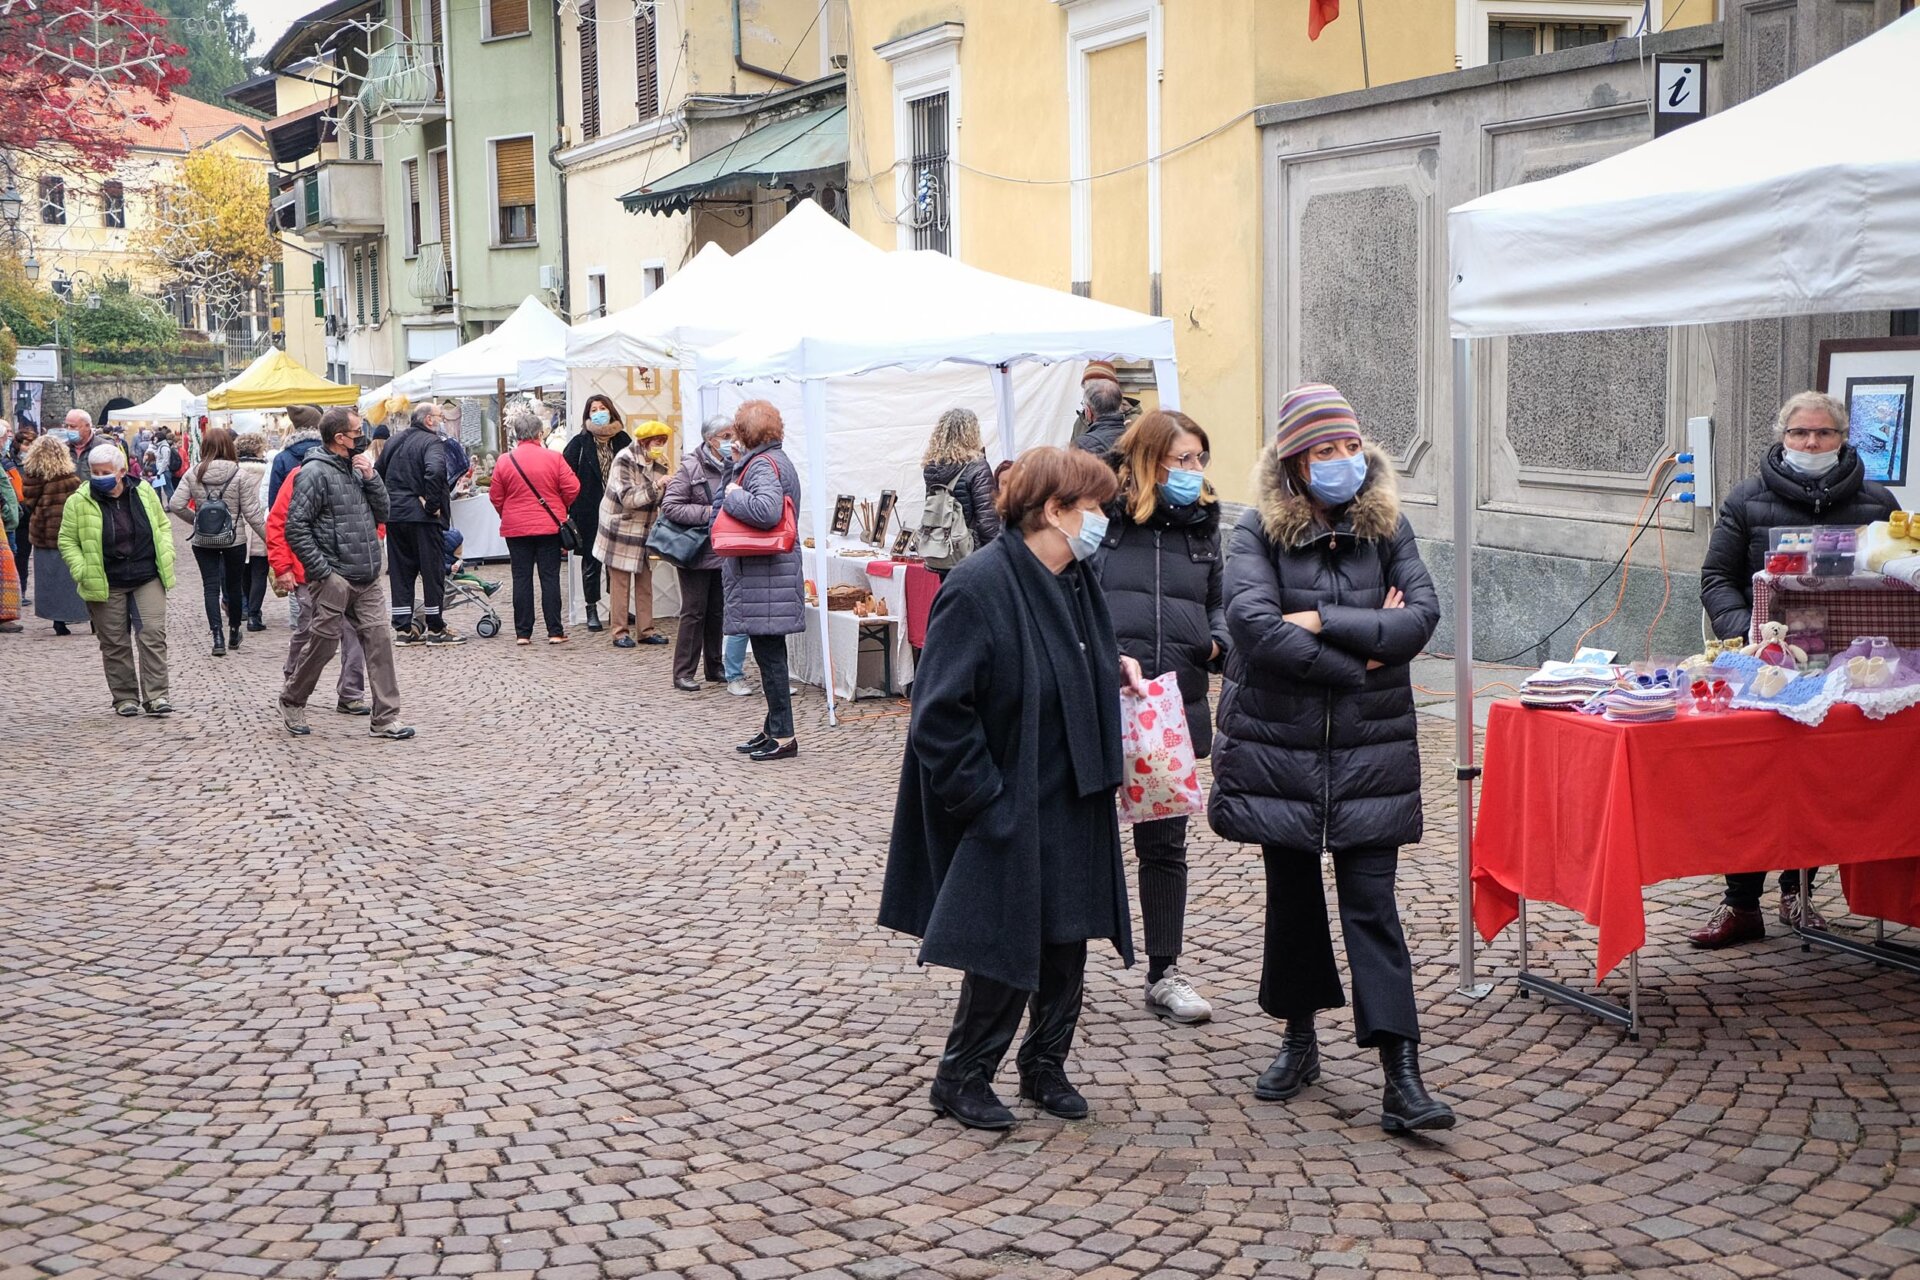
{"points": [[1583, 812]]}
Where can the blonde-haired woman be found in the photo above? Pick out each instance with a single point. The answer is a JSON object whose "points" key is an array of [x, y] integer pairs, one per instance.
{"points": [[1160, 565], [956, 463]]}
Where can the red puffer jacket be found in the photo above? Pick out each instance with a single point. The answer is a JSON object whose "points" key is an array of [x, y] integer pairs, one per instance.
{"points": [[512, 494]]}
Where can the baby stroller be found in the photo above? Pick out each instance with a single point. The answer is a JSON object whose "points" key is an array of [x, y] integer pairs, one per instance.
{"points": [[466, 588]]}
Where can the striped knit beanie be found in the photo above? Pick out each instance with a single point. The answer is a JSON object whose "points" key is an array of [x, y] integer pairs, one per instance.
{"points": [[1312, 414]]}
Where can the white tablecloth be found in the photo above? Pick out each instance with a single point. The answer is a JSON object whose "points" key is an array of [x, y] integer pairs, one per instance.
{"points": [[479, 523], [847, 571], [803, 653]]}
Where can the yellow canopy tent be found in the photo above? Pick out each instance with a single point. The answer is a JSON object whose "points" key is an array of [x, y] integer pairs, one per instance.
{"points": [[274, 381]]}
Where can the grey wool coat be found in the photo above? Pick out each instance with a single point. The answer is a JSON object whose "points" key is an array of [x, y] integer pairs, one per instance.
{"points": [[1313, 750], [765, 595], [1005, 838]]}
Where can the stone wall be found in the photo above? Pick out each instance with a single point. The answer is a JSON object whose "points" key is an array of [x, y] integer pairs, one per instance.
{"points": [[93, 393], [1571, 429]]}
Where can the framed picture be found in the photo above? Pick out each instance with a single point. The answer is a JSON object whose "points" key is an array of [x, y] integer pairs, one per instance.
{"points": [[903, 544], [1875, 378], [843, 513], [883, 514]]}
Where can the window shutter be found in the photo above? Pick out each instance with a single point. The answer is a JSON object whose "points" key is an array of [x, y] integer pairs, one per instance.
{"points": [[373, 275], [589, 71], [406, 19], [507, 18], [433, 21], [445, 225], [319, 289], [513, 168], [359, 287], [646, 55]]}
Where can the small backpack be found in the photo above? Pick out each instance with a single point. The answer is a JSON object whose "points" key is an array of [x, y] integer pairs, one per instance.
{"points": [[213, 526], [944, 538]]}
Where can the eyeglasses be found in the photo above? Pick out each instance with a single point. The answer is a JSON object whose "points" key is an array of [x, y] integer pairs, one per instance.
{"points": [[1187, 461], [1806, 435]]}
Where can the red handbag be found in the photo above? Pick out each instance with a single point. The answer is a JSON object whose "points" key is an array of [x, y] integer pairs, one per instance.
{"points": [[733, 537]]}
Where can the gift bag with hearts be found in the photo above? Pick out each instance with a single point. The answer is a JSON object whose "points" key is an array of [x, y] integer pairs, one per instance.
{"points": [[1162, 774]]}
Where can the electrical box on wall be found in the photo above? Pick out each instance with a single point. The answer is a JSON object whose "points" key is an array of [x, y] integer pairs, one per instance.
{"points": [[1699, 460], [549, 276]]}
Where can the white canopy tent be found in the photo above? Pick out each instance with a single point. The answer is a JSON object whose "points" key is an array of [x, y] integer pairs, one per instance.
{"points": [[653, 330], [527, 350], [171, 403], [915, 318], [1804, 200]]}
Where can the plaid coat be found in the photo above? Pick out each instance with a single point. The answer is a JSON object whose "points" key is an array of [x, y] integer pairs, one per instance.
{"points": [[628, 509]]}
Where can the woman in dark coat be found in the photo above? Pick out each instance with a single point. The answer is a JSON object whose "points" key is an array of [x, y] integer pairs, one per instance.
{"points": [[766, 596], [1005, 856], [1160, 567], [1317, 752], [691, 500], [591, 454]]}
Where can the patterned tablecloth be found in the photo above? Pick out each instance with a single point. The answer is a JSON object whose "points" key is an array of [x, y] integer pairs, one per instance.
{"points": [[1865, 604]]}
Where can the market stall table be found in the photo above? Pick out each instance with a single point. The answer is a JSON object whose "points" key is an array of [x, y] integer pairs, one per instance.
{"points": [[862, 652], [479, 525], [1584, 812]]}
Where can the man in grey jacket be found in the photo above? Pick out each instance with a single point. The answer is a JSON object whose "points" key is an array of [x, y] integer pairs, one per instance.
{"points": [[333, 528]]}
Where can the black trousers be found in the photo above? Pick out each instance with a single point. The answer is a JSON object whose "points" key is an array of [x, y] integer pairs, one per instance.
{"points": [[989, 1014], [223, 570], [416, 550], [542, 552], [770, 655], [1744, 889], [1161, 848], [1299, 978], [258, 571], [23, 550], [590, 569], [702, 612]]}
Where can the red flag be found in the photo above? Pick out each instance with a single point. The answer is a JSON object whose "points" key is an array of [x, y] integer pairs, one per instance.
{"points": [[1319, 14]]}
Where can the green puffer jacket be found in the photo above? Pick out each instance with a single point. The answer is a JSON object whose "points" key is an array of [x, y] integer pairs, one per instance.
{"points": [[80, 540]]}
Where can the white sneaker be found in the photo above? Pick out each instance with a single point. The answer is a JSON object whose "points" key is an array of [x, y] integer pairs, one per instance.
{"points": [[1174, 999], [739, 687]]}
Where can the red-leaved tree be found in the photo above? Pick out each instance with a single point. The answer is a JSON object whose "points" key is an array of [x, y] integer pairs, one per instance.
{"points": [[75, 74]]}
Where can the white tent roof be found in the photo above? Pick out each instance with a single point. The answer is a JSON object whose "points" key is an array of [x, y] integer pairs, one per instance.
{"points": [[528, 350], [1802, 201], [917, 310], [646, 332], [171, 403]]}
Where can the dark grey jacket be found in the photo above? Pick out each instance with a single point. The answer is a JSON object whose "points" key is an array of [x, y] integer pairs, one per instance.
{"points": [[1104, 433], [693, 495], [972, 484], [1779, 495], [413, 467], [1314, 751], [334, 519], [766, 595]]}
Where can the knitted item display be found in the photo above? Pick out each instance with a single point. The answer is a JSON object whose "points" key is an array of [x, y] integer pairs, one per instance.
{"points": [[1561, 686], [1312, 414]]}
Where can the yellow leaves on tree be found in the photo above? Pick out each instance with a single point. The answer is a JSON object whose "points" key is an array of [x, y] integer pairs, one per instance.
{"points": [[209, 227]]}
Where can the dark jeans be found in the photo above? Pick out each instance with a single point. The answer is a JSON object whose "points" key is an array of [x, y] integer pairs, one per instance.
{"points": [[989, 1014], [223, 569], [1744, 890], [258, 571], [770, 655], [23, 550], [542, 552], [1161, 848], [702, 613], [1299, 977], [416, 550]]}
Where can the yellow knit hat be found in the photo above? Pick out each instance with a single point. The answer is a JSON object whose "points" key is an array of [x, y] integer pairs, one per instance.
{"points": [[652, 429]]}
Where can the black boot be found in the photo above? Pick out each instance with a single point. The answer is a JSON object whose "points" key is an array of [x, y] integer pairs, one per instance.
{"points": [[971, 1101], [219, 641], [256, 623], [61, 629], [234, 636], [1296, 1067], [593, 618], [1053, 1016], [1407, 1105]]}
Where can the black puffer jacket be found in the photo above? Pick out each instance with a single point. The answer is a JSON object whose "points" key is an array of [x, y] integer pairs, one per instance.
{"points": [[1163, 585], [1314, 750], [414, 468], [1102, 434], [972, 483], [334, 518], [1779, 495]]}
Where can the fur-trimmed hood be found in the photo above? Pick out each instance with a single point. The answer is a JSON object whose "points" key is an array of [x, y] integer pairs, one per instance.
{"points": [[1287, 514], [301, 433]]}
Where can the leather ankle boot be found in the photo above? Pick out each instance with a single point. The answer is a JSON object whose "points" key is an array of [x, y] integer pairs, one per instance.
{"points": [[1407, 1105], [593, 618], [219, 642], [971, 1101], [1296, 1067], [234, 636]]}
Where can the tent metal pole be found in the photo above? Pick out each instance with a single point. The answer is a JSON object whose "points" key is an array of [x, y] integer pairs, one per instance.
{"points": [[1166, 381], [814, 398], [1003, 409], [1464, 768]]}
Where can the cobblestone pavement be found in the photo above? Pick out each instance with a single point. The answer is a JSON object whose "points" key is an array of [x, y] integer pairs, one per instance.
{"points": [[565, 989]]}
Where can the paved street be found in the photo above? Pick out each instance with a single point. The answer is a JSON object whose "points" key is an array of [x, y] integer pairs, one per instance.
{"points": [[565, 989]]}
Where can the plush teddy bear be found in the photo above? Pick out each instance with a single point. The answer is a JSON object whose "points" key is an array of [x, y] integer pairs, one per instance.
{"points": [[1772, 648]]}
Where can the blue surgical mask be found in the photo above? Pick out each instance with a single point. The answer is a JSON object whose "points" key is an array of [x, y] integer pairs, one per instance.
{"points": [[1093, 531], [1337, 479], [103, 485], [1183, 488], [727, 449], [600, 418]]}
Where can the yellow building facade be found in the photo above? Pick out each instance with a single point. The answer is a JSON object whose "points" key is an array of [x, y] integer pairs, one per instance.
{"points": [[1109, 146]]}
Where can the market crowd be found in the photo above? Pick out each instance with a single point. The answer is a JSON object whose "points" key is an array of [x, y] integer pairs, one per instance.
{"points": [[1069, 575]]}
